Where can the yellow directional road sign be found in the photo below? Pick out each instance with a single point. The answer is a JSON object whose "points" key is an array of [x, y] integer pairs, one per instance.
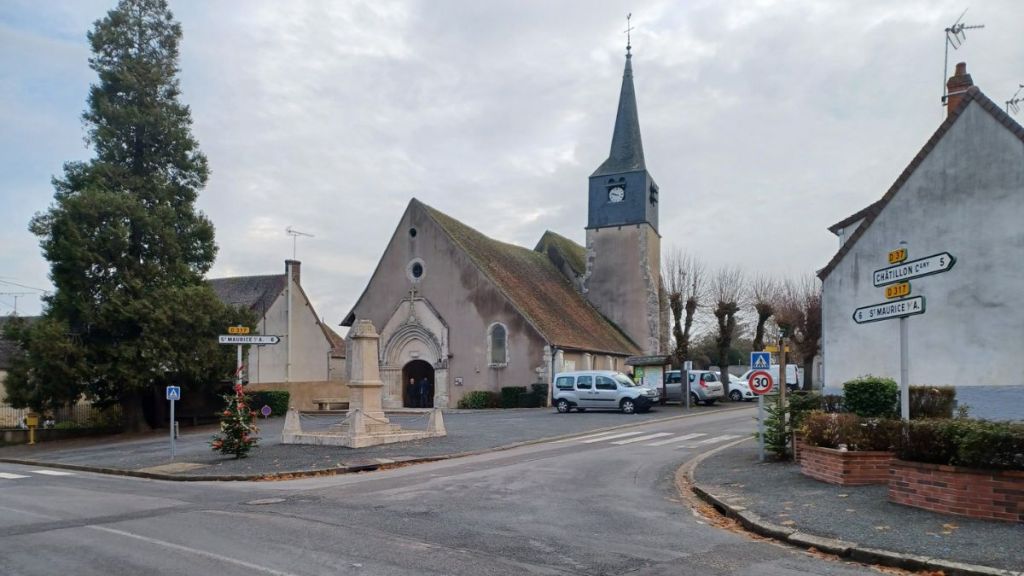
{"points": [[897, 290], [238, 329]]}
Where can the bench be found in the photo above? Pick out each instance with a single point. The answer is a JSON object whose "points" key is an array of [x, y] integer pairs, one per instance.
{"points": [[331, 403]]}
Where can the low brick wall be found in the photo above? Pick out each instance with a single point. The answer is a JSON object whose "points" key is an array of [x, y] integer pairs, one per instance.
{"points": [[798, 446], [302, 394], [988, 494], [845, 468]]}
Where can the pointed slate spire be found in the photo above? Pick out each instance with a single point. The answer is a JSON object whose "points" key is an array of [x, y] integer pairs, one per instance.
{"points": [[627, 153]]}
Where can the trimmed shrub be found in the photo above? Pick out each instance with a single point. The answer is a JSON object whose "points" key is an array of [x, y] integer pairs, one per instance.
{"points": [[276, 399], [510, 396], [478, 400], [871, 396], [802, 403], [860, 434], [540, 391], [932, 401], [528, 400], [963, 442]]}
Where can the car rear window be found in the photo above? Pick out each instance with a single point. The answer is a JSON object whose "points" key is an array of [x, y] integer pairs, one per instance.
{"points": [[563, 382], [584, 382], [710, 377]]}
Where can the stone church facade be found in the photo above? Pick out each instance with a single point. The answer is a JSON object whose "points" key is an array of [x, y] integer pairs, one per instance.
{"points": [[468, 312]]}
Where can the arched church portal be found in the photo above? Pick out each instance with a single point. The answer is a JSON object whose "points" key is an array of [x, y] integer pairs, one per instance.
{"points": [[413, 395]]}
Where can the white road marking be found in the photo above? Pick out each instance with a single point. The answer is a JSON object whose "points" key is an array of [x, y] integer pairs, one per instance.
{"points": [[642, 438], [52, 472], [676, 439], [196, 551], [9, 476], [578, 438], [714, 440], [603, 438]]}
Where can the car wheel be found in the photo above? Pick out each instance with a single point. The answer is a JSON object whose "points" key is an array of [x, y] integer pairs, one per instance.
{"points": [[693, 399], [628, 406], [563, 406], [735, 396]]}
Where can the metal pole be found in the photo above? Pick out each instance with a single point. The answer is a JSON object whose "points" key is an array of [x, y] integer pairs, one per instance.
{"points": [[238, 366], [760, 423], [904, 370], [172, 429], [684, 386]]}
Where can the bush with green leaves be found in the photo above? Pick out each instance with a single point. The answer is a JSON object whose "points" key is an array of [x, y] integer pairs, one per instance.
{"points": [[276, 399], [479, 400], [932, 401], [964, 442], [871, 397], [802, 403], [540, 393], [776, 430], [510, 396]]}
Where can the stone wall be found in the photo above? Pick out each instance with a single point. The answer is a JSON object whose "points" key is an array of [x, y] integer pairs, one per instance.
{"points": [[988, 494], [302, 394], [845, 468]]}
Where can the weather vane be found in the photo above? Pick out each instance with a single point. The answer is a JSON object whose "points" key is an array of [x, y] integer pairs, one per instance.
{"points": [[629, 43]]}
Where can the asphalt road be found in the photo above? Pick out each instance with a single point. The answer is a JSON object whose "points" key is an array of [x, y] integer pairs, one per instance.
{"points": [[587, 506]]}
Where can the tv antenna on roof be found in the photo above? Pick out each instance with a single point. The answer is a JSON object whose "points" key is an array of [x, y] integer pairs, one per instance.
{"points": [[1013, 104], [955, 37], [295, 236]]}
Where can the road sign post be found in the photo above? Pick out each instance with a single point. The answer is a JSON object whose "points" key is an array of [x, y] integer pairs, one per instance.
{"points": [[684, 384], [760, 383], [173, 395], [239, 336]]}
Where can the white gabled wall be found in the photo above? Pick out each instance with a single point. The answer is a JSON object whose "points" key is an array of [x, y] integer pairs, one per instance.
{"points": [[310, 347], [966, 198]]}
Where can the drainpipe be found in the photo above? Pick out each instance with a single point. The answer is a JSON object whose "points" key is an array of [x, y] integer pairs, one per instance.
{"points": [[551, 384]]}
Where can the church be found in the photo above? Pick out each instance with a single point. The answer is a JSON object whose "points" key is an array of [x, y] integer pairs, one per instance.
{"points": [[467, 312]]}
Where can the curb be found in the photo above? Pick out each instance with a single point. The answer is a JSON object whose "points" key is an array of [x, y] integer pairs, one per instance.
{"points": [[367, 466], [852, 550]]}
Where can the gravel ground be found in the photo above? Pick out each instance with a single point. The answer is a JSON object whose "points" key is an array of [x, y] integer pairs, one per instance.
{"points": [[780, 494], [468, 431]]}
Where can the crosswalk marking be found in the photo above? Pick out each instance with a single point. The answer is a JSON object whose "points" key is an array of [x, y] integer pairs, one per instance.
{"points": [[53, 472], [676, 439], [642, 438], [578, 438], [603, 438], [9, 476], [714, 440]]}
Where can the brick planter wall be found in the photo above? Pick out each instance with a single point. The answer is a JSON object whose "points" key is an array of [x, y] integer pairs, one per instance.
{"points": [[845, 468], [988, 494], [798, 447]]}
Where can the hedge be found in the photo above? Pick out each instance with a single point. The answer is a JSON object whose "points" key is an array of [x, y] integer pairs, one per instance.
{"points": [[479, 399], [276, 399], [832, 430], [964, 442], [871, 396], [932, 401], [510, 396]]}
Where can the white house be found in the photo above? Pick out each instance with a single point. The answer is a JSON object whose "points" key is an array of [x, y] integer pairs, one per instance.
{"points": [[309, 360], [963, 194]]}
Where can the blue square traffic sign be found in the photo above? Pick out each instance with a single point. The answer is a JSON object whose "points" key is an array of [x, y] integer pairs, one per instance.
{"points": [[760, 360], [174, 392]]}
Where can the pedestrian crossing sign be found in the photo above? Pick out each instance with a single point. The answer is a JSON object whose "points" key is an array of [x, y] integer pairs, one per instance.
{"points": [[760, 360], [174, 392]]}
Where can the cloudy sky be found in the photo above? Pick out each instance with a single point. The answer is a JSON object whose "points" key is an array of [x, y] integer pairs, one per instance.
{"points": [[763, 121]]}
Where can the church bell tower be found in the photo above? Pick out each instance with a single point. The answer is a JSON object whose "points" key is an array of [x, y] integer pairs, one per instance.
{"points": [[623, 276]]}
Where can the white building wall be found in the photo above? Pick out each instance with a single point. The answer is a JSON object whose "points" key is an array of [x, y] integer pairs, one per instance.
{"points": [[966, 198], [310, 348]]}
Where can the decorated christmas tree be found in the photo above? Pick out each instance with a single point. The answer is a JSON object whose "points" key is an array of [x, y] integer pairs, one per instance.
{"points": [[237, 426]]}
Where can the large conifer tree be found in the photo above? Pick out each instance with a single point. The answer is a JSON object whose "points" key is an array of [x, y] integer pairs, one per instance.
{"points": [[127, 248]]}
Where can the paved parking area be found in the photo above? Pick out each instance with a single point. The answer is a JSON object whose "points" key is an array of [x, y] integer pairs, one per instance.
{"points": [[468, 431]]}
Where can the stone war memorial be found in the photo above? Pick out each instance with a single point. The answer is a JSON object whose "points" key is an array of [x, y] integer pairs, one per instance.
{"points": [[365, 424]]}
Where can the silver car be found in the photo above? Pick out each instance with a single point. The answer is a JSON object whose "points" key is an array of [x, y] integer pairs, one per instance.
{"points": [[704, 387], [601, 390]]}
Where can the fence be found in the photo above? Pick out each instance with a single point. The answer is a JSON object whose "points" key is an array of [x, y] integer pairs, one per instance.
{"points": [[80, 415]]}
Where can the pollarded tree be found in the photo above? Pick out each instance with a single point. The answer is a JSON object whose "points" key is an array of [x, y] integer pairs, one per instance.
{"points": [[727, 288], [685, 278], [799, 315], [127, 248], [764, 295]]}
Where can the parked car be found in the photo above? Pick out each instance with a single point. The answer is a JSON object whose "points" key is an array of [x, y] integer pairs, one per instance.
{"points": [[704, 386], [739, 389], [601, 390]]}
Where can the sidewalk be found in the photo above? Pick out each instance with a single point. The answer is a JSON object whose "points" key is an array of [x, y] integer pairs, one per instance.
{"points": [[776, 500], [468, 432]]}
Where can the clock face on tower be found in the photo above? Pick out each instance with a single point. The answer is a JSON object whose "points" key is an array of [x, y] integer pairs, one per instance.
{"points": [[616, 194]]}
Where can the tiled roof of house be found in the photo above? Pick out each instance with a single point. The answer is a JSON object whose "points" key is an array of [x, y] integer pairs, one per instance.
{"points": [[559, 249], [337, 342], [538, 291], [257, 293], [852, 218], [8, 348], [870, 213]]}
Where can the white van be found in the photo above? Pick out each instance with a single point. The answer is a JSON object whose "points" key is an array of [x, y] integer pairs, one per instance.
{"points": [[793, 376], [601, 390]]}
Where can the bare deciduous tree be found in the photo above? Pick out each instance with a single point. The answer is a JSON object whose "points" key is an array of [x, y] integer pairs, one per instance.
{"points": [[685, 278], [727, 288], [764, 296], [799, 315]]}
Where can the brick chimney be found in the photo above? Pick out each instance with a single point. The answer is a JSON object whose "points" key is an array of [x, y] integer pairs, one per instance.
{"points": [[294, 268], [957, 86]]}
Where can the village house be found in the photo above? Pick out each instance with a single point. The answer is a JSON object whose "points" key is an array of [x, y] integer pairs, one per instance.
{"points": [[963, 194]]}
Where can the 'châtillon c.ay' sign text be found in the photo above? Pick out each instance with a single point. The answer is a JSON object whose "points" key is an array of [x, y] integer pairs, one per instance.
{"points": [[926, 266]]}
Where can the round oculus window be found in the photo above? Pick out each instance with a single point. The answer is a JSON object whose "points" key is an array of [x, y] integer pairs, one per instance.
{"points": [[415, 269], [412, 232]]}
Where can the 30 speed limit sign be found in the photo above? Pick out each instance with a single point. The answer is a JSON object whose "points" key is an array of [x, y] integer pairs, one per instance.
{"points": [[761, 382]]}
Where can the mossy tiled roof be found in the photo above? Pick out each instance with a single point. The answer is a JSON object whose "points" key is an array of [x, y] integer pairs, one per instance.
{"points": [[256, 293], [568, 251], [538, 291]]}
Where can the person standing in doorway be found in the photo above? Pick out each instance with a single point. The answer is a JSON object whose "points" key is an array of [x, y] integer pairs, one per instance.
{"points": [[424, 393], [412, 393]]}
